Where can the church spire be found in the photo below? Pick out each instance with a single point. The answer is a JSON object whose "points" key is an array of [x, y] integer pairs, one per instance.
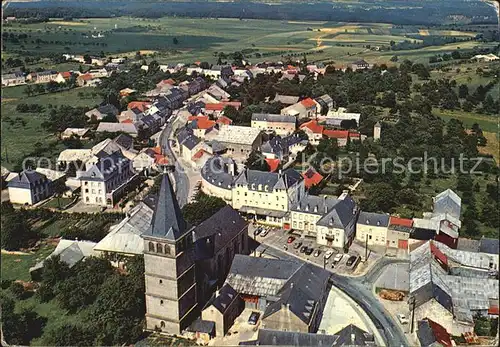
{"points": [[167, 221]]}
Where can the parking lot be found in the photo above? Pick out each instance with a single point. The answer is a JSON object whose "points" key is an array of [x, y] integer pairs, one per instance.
{"points": [[279, 238]]}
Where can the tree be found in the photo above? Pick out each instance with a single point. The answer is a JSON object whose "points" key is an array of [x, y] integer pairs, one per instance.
{"points": [[455, 55], [16, 232], [329, 147], [380, 198], [175, 41], [232, 113], [59, 188], [28, 90], [256, 161], [54, 271], [394, 58], [203, 207], [87, 59], [348, 124], [69, 334], [463, 91]]}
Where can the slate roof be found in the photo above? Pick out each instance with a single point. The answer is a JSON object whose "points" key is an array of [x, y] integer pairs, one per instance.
{"points": [[351, 335], [108, 109], [217, 231], [167, 222], [260, 276], [125, 141], [274, 118], [216, 172], [226, 296], [254, 178], [302, 293], [26, 179], [447, 202], [183, 134], [281, 145], [315, 204], [489, 246], [190, 142], [107, 166], [341, 215], [375, 219], [267, 337], [202, 326]]}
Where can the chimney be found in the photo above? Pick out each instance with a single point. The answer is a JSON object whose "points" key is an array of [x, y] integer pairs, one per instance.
{"points": [[217, 293]]}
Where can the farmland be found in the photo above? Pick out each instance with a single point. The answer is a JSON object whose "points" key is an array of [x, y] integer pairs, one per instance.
{"points": [[202, 39]]}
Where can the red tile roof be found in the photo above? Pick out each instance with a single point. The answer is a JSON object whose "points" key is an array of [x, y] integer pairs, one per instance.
{"points": [[198, 154], [157, 150], [141, 105], [308, 103], [273, 164], [404, 222], [86, 77], [354, 135], [129, 121], [440, 333], [224, 120], [313, 126], [336, 134], [220, 106], [169, 81], [66, 74], [493, 310], [311, 178], [161, 159], [204, 123]]}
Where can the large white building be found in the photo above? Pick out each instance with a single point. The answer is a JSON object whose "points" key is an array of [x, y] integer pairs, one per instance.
{"points": [[331, 221], [104, 182]]}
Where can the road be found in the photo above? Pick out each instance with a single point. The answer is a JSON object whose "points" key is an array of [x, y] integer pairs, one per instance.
{"points": [[359, 289], [181, 179]]}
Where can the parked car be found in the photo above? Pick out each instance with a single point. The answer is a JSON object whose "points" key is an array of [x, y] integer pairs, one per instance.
{"points": [[254, 317], [402, 318], [264, 232], [317, 253], [328, 254], [351, 260], [309, 251], [303, 249], [297, 245], [258, 231], [337, 258], [290, 239]]}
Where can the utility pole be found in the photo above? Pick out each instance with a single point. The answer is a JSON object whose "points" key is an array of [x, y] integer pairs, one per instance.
{"points": [[324, 262], [412, 313], [366, 247]]}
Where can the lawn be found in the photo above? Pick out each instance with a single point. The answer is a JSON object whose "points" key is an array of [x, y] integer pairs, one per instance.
{"points": [[54, 203], [19, 141], [487, 123], [16, 266]]}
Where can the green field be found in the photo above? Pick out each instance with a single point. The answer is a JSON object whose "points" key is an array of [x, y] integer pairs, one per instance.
{"points": [[18, 141], [202, 39]]}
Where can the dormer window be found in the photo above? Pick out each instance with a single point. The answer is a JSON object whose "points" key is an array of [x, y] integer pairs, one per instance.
{"points": [[367, 221], [307, 207], [316, 208], [378, 223], [331, 221]]}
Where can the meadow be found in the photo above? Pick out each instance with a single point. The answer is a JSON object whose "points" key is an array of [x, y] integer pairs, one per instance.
{"points": [[200, 39]]}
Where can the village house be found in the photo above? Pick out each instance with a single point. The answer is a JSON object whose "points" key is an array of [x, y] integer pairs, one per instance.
{"points": [[63, 77], [324, 104], [81, 133], [285, 149], [184, 265], [104, 182], [268, 196], [223, 309], [240, 141], [127, 128], [42, 77], [286, 99], [217, 109], [87, 80], [360, 65], [29, 187], [102, 111], [311, 178], [316, 132], [303, 109], [281, 125], [335, 118], [293, 298], [398, 232], [331, 221], [371, 228], [13, 79]]}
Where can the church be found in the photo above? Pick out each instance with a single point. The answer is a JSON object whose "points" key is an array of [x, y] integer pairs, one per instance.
{"points": [[184, 265]]}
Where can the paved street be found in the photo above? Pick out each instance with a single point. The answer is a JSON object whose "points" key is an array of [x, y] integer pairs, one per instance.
{"points": [[181, 179], [358, 289]]}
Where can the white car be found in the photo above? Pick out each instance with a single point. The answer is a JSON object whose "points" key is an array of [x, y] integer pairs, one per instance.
{"points": [[402, 318], [337, 258], [264, 232], [328, 254]]}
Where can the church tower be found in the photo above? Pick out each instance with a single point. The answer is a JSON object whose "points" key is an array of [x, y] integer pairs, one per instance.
{"points": [[377, 130], [169, 267]]}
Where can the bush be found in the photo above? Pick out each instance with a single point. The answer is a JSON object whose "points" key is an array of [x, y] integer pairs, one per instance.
{"points": [[17, 290]]}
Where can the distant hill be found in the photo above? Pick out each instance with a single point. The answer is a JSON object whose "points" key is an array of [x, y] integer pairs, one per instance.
{"points": [[422, 12]]}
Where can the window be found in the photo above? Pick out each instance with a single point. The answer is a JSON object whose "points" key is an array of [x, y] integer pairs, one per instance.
{"points": [[167, 249], [370, 237], [160, 281], [151, 247], [161, 303], [159, 248]]}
